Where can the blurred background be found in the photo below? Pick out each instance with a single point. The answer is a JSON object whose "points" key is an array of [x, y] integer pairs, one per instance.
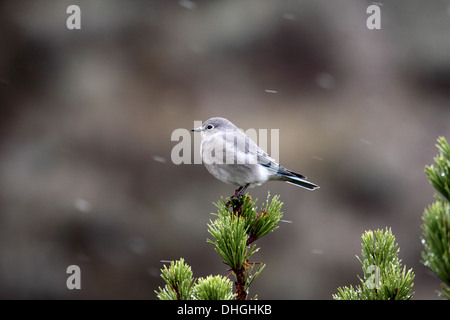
{"points": [[86, 176]]}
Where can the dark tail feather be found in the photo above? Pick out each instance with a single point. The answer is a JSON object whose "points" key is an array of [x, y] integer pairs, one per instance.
{"points": [[296, 179], [301, 183]]}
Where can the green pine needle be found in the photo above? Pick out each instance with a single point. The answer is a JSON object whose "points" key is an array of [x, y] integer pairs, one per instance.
{"points": [[214, 288], [179, 282], [384, 276], [230, 234], [436, 242], [237, 225], [439, 175], [436, 219]]}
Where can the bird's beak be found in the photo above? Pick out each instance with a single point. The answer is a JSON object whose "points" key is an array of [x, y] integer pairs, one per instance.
{"points": [[199, 129]]}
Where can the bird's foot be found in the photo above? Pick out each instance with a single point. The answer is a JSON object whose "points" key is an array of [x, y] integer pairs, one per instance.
{"points": [[235, 200]]}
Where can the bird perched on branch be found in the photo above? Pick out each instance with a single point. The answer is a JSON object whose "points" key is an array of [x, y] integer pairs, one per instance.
{"points": [[232, 157]]}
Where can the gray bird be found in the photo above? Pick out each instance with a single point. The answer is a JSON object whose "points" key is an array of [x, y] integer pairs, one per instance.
{"points": [[232, 157]]}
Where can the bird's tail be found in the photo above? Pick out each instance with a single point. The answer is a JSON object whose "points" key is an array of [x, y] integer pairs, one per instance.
{"points": [[295, 179]]}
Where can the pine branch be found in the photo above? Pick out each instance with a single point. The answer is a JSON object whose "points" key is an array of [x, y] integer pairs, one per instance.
{"points": [[384, 276], [439, 175], [180, 285], [237, 226], [230, 234], [213, 288], [436, 219], [179, 282]]}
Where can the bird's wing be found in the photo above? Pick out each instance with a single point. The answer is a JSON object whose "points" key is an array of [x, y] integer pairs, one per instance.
{"points": [[238, 148], [265, 160]]}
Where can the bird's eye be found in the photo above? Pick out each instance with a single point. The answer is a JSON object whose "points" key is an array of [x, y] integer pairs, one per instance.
{"points": [[209, 126]]}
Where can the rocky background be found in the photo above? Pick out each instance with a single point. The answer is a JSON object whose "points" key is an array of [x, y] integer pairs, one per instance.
{"points": [[86, 117]]}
